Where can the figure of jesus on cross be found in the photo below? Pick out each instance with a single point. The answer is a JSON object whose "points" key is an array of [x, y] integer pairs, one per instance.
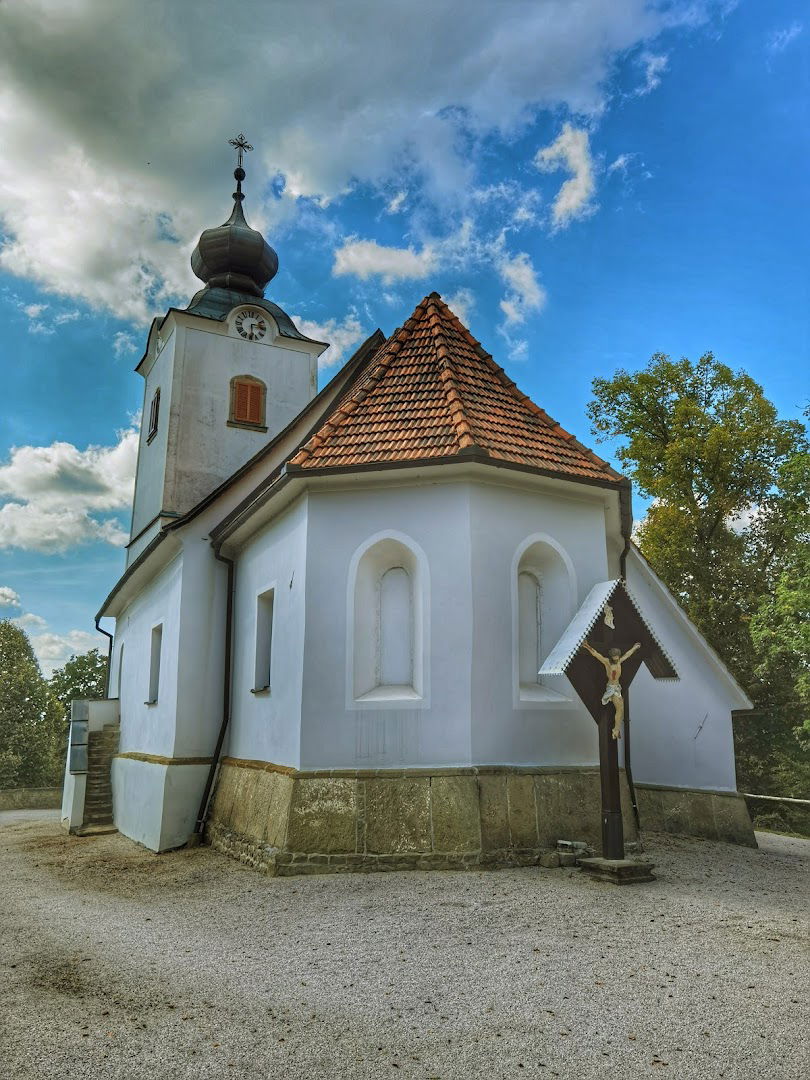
{"points": [[613, 691]]}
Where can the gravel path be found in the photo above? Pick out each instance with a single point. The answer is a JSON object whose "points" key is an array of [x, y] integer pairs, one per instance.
{"points": [[118, 963]]}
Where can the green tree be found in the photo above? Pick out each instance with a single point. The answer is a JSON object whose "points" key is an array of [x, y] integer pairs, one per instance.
{"points": [[31, 727], [82, 677], [706, 444], [728, 533], [780, 627]]}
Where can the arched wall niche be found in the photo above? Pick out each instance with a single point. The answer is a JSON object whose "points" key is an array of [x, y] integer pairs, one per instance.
{"points": [[387, 638], [543, 597]]}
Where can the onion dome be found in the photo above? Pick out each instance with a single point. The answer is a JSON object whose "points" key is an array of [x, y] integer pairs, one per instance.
{"points": [[234, 256]]}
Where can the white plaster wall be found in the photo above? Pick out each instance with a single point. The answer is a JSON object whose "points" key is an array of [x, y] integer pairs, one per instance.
{"points": [[149, 728], [681, 731], [206, 450], [338, 732], [503, 520], [182, 790], [151, 467], [138, 800], [267, 726], [200, 671]]}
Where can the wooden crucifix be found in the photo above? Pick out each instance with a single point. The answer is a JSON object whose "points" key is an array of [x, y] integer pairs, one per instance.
{"points": [[601, 650]]}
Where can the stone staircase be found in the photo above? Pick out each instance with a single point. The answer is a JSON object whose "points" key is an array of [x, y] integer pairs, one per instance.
{"points": [[98, 810]]}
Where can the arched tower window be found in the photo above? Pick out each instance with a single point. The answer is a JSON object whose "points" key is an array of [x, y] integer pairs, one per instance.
{"points": [[387, 632], [247, 407], [544, 593]]}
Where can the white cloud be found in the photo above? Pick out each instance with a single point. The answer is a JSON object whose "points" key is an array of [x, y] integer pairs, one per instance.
{"points": [[654, 68], [743, 520], [123, 344], [8, 597], [38, 323], [42, 328], [342, 336], [525, 293], [366, 258], [30, 622], [55, 494], [780, 39], [395, 205], [571, 151], [54, 650], [620, 164], [461, 303], [125, 178]]}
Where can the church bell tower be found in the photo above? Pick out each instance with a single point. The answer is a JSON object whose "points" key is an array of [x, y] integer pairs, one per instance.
{"points": [[223, 376]]}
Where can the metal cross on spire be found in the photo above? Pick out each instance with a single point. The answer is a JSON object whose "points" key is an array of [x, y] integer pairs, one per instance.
{"points": [[241, 146]]}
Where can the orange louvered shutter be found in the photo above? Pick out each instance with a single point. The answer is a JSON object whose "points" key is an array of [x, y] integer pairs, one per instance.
{"points": [[247, 402], [254, 408]]}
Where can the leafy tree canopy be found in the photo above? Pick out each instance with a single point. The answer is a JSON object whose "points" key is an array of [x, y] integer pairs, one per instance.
{"points": [[728, 532], [82, 676], [31, 728], [699, 436]]}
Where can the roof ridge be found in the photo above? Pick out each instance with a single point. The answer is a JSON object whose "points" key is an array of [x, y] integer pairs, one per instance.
{"points": [[549, 421], [378, 366], [455, 402]]}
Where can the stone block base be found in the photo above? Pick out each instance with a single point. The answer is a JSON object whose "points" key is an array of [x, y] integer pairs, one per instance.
{"points": [[712, 815], [618, 871], [286, 822]]}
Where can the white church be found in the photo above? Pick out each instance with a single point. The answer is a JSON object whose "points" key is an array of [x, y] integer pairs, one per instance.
{"points": [[336, 603]]}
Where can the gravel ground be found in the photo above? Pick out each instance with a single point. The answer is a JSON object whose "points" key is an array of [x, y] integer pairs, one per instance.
{"points": [[119, 963]]}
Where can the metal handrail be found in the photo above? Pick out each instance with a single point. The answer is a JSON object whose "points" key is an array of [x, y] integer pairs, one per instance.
{"points": [[776, 798]]}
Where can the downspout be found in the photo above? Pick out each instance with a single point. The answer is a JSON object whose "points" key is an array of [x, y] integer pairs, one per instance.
{"points": [[226, 698], [109, 657], [628, 767]]}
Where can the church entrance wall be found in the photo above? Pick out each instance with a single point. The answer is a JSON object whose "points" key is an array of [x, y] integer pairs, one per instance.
{"points": [[283, 821]]}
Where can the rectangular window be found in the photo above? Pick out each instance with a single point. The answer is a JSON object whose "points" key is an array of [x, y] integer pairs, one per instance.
{"points": [[154, 412], [247, 405], [154, 664], [264, 641]]}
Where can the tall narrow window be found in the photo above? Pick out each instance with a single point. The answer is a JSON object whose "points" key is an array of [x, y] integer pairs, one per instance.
{"points": [[543, 597], [387, 648], [154, 413], [395, 628], [262, 680], [530, 631], [247, 402], [154, 664]]}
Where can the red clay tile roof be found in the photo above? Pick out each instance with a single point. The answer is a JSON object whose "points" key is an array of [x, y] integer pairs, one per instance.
{"points": [[431, 391]]}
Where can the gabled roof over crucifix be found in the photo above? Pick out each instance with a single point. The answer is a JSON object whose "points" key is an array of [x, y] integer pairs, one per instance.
{"points": [[608, 618]]}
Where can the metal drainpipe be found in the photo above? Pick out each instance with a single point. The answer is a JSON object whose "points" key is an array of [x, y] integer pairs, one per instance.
{"points": [[226, 700], [109, 658], [628, 768]]}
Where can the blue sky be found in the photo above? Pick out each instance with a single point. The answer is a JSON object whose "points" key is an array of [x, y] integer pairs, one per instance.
{"points": [[587, 183]]}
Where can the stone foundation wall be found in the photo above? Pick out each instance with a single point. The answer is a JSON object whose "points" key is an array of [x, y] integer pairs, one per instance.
{"points": [[713, 815], [287, 822], [30, 798]]}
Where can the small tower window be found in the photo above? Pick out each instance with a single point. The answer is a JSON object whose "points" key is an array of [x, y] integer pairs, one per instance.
{"points": [[247, 402], [154, 413]]}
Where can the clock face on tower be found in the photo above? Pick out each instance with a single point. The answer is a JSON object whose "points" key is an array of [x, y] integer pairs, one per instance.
{"points": [[251, 324]]}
